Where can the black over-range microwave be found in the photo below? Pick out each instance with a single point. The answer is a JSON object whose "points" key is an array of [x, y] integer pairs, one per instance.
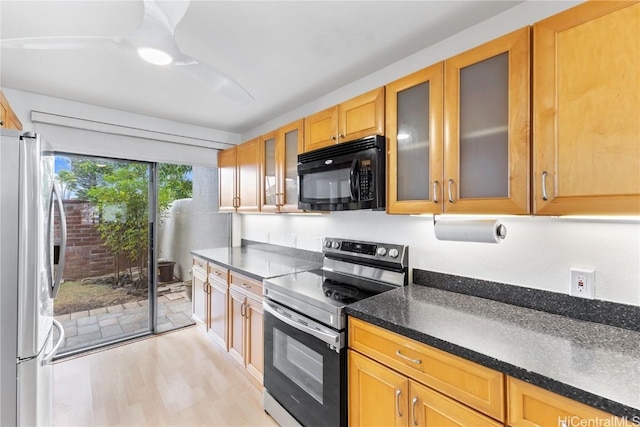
{"points": [[345, 176]]}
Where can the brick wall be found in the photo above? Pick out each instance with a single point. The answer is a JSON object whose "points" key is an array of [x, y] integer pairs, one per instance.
{"points": [[86, 254]]}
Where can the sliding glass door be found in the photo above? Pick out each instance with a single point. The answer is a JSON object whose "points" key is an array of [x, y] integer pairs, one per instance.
{"points": [[105, 296]]}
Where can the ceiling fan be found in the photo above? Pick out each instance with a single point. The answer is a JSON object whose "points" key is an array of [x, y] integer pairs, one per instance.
{"points": [[154, 42]]}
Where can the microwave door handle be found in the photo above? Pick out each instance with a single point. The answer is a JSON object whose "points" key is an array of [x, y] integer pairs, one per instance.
{"points": [[353, 180]]}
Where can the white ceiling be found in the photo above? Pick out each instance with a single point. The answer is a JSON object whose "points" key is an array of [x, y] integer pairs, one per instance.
{"points": [[285, 53]]}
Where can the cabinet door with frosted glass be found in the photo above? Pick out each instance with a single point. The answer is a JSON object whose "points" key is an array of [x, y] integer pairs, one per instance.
{"points": [[486, 122], [269, 187], [414, 132], [290, 144]]}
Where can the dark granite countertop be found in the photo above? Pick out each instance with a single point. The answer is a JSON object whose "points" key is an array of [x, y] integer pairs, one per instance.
{"points": [[257, 263], [592, 363]]}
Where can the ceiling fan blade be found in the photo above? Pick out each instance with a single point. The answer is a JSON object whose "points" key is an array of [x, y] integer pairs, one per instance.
{"points": [[54, 43], [217, 81], [168, 12]]}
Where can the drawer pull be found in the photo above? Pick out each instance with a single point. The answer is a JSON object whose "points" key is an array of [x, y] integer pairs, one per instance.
{"points": [[413, 411], [217, 273], [416, 361], [244, 285], [398, 392]]}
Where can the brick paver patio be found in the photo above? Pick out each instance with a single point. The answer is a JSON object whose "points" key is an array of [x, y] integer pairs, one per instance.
{"points": [[91, 327]]}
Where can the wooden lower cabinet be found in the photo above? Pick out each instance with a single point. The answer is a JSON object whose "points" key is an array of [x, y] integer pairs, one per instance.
{"points": [[245, 326], [476, 386], [219, 302], [379, 396], [200, 293], [531, 406]]}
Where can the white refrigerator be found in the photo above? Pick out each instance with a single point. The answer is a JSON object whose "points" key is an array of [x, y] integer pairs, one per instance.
{"points": [[31, 264]]}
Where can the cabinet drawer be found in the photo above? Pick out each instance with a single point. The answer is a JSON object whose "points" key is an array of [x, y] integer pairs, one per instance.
{"points": [[474, 385], [531, 406], [218, 272], [200, 263], [246, 284]]}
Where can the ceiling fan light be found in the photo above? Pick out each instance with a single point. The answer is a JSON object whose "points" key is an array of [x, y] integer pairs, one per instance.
{"points": [[155, 56]]}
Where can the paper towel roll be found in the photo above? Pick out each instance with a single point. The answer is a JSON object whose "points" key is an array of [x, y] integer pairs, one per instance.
{"points": [[486, 231]]}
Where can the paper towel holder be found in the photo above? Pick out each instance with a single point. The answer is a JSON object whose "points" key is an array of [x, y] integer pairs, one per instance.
{"points": [[501, 229]]}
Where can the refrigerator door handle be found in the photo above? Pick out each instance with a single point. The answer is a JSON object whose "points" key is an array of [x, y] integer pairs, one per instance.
{"points": [[57, 193], [47, 358]]}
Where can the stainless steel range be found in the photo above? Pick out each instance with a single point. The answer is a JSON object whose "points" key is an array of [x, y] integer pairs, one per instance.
{"points": [[305, 357]]}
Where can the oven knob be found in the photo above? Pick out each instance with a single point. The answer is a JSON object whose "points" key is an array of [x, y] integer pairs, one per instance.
{"points": [[335, 245], [382, 251], [393, 253], [327, 243]]}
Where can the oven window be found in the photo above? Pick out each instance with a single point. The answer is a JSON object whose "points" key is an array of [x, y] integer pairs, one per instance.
{"points": [[331, 185], [299, 363]]}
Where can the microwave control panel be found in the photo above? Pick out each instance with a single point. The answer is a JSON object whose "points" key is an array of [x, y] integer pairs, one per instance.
{"points": [[367, 182]]}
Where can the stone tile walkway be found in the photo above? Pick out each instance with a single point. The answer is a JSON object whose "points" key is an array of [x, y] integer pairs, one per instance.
{"points": [[92, 327]]}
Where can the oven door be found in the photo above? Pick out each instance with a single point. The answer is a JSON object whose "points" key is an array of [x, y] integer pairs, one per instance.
{"points": [[304, 368]]}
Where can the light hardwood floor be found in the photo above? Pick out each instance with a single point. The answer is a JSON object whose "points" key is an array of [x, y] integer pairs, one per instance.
{"points": [[177, 379]]}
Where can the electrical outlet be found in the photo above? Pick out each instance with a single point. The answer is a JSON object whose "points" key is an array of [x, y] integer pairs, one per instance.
{"points": [[319, 244], [582, 283]]}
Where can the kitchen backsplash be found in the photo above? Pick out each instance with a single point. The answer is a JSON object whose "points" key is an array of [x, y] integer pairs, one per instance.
{"points": [[537, 252]]}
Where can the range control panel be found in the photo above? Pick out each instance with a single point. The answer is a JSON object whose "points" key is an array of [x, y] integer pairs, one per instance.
{"points": [[368, 250]]}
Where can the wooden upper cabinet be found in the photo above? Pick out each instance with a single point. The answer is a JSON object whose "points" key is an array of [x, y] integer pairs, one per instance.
{"points": [[414, 136], [227, 179], [321, 129], [279, 163], [486, 128], [239, 177], [290, 144], [269, 188], [586, 110], [8, 118], [359, 117], [248, 158]]}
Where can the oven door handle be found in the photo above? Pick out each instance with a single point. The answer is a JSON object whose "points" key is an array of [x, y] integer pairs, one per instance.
{"points": [[331, 339]]}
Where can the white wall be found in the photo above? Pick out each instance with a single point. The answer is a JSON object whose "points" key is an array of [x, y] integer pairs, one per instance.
{"points": [[87, 129], [537, 252], [194, 224]]}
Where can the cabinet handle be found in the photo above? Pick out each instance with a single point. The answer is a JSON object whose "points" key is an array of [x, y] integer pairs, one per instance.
{"points": [[398, 392], [204, 287], [413, 411], [451, 182], [1, 122], [243, 310], [244, 285], [333, 137], [544, 186], [217, 273], [436, 184], [416, 361], [341, 136]]}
